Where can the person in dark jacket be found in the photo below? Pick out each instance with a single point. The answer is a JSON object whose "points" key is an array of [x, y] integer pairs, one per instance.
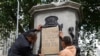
{"points": [[24, 43]]}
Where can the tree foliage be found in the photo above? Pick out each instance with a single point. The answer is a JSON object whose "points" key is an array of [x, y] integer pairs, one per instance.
{"points": [[87, 42], [8, 16], [91, 14], [8, 8]]}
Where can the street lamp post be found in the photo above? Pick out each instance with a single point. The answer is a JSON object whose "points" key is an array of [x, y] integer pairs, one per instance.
{"points": [[17, 18]]}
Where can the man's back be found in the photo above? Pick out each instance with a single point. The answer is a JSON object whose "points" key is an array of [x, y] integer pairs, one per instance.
{"points": [[68, 51], [21, 47]]}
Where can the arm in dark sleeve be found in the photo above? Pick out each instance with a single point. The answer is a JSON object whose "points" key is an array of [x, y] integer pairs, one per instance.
{"points": [[26, 51], [32, 30]]}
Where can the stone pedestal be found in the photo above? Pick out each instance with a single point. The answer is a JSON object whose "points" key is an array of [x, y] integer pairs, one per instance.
{"points": [[68, 14]]}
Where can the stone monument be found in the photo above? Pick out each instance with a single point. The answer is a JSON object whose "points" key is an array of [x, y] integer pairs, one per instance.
{"points": [[66, 16]]}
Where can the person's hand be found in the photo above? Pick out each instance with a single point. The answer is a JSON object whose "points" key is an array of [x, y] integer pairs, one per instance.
{"points": [[41, 55], [39, 27], [61, 34]]}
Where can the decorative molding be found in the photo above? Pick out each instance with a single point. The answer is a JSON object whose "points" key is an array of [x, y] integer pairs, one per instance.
{"points": [[69, 4]]}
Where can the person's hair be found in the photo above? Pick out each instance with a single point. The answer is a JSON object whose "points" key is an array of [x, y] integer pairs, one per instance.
{"points": [[31, 34], [67, 40]]}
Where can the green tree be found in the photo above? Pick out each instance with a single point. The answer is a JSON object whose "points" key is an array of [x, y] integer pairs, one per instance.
{"points": [[8, 15], [91, 14], [91, 25], [8, 20]]}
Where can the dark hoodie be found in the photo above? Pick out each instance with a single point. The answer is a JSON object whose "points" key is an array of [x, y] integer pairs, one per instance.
{"points": [[21, 47]]}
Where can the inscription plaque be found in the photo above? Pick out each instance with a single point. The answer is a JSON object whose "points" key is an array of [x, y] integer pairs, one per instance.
{"points": [[50, 40]]}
